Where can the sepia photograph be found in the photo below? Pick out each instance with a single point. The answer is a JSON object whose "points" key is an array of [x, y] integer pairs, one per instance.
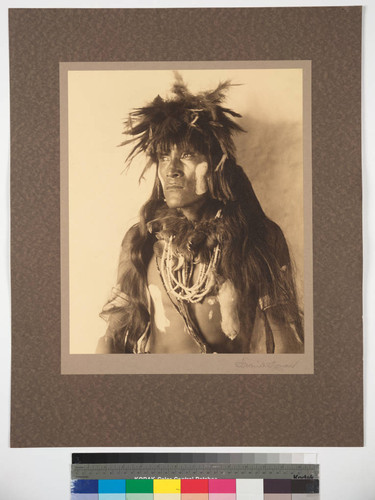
{"points": [[186, 215], [186, 227]]}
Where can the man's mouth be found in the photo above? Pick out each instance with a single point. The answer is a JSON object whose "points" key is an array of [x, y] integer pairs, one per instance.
{"points": [[174, 187]]}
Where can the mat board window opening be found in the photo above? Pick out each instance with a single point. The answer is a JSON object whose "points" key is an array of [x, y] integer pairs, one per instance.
{"points": [[186, 218]]}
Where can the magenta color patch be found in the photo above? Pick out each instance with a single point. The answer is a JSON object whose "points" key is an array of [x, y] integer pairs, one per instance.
{"points": [[222, 486]]}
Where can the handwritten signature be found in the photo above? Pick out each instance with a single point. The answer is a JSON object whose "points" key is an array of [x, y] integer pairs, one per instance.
{"points": [[243, 363]]}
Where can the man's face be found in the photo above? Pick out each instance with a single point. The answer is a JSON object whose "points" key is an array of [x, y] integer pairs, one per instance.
{"points": [[182, 173]]}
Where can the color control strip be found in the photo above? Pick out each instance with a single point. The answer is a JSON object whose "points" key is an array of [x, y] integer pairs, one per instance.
{"points": [[195, 489]]}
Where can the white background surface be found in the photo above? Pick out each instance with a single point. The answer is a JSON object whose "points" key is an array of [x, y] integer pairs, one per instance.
{"points": [[44, 474]]}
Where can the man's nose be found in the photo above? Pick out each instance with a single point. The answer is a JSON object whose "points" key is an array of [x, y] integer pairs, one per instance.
{"points": [[174, 168]]}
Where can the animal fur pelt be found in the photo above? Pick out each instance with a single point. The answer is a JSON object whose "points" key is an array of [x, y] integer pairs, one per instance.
{"points": [[191, 240]]}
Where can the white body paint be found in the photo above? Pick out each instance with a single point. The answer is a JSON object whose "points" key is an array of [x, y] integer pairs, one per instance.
{"points": [[200, 178], [161, 320], [227, 297]]}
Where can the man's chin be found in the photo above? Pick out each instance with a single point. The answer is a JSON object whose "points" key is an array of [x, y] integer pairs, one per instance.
{"points": [[173, 203], [191, 210], [180, 202]]}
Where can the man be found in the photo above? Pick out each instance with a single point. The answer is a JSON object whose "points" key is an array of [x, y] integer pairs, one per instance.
{"points": [[204, 271]]}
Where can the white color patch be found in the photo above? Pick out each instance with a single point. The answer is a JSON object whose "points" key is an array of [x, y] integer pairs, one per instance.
{"points": [[210, 314], [161, 320], [200, 178], [227, 297]]}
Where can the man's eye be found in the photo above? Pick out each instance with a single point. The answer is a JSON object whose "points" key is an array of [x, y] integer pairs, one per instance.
{"points": [[187, 156], [164, 157]]}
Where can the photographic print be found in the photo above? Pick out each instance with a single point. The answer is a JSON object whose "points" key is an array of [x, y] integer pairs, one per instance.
{"points": [[186, 253], [209, 190]]}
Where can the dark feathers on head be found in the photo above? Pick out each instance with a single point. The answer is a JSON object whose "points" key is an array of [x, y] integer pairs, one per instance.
{"points": [[195, 119]]}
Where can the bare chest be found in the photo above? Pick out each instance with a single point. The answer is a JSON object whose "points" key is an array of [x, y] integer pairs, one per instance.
{"points": [[214, 317]]}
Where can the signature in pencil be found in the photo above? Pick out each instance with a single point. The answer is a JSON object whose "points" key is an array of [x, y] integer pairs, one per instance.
{"points": [[244, 363]]}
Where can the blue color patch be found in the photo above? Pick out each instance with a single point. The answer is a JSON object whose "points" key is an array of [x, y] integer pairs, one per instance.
{"points": [[84, 486], [112, 486]]}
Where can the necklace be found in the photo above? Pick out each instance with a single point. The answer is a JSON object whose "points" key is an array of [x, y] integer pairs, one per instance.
{"points": [[177, 279]]}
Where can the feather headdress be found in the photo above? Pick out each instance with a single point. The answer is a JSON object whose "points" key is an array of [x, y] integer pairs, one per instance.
{"points": [[196, 119]]}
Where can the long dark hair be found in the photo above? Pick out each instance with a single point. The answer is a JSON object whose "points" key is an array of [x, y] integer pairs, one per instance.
{"points": [[254, 254]]}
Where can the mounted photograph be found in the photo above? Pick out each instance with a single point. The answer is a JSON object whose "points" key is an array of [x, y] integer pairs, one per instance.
{"points": [[186, 217]]}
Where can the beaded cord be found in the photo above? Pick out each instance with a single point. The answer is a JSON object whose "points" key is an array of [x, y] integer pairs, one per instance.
{"points": [[177, 281], [191, 327]]}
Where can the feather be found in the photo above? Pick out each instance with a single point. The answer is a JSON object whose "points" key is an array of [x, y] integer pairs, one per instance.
{"points": [[184, 118]]}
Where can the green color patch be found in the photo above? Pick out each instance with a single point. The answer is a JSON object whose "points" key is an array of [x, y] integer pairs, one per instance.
{"points": [[139, 486]]}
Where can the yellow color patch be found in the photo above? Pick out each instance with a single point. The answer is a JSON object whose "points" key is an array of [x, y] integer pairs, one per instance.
{"points": [[167, 485]]}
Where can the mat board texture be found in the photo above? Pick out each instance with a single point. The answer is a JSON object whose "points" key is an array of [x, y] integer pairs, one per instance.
{"points": [[320, 409]]}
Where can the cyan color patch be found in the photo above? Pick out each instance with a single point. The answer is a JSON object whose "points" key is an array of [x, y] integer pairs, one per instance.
{"points": [[112, 486]]}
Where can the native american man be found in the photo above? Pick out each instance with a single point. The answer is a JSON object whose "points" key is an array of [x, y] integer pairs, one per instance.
{"points": [[205, 270]]}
